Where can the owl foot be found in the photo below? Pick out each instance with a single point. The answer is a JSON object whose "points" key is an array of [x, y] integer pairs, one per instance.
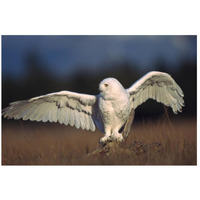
{"points": [[105, 139], [109, 138], [117, 137]]}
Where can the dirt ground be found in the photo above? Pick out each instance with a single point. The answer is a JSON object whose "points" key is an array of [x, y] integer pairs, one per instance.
{"points": [[162, 143]]}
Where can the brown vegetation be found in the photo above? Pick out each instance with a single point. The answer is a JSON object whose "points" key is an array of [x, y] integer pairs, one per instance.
{"points": [[149, 143]]}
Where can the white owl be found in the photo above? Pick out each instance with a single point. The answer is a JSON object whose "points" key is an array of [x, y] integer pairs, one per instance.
{"points": [[108, 110]]}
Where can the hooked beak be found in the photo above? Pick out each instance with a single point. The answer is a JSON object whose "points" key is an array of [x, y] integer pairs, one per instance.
{"points": [[101, 88]]}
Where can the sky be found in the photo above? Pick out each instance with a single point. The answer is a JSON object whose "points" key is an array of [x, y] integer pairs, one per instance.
{"points": [[67, 54]]}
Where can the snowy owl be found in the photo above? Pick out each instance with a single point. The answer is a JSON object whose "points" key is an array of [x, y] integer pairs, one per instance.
{"points": [[108, 111]]}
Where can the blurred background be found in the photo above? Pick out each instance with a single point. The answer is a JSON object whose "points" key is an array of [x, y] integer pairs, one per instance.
{"points": [[36, 65]]}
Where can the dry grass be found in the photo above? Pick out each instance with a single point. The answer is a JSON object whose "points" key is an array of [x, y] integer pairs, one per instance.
{"points": [[53, 144]]}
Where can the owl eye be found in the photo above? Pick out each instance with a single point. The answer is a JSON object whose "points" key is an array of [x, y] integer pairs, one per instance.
{"points": [[106, 85]]}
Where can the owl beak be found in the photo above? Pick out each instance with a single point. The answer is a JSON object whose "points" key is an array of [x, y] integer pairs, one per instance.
{"points": [[100, 88]]}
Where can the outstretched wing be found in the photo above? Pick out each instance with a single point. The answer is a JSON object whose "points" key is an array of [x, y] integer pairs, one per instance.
{"points": [[64, 107], [160, 87]]}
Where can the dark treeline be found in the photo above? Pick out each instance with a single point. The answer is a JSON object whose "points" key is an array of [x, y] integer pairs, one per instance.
{"points": [[38, 81]]}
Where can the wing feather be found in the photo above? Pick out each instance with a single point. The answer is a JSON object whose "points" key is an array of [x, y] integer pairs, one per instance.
{"points": [[77, 119], [64, 107], [71, 117], [160, 87], [92, 126], [87, 122], [153, 93], [150, 91], [82, 121]]}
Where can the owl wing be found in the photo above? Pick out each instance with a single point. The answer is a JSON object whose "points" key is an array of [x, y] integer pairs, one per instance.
{"points": [[65, 107], [160, 87]]}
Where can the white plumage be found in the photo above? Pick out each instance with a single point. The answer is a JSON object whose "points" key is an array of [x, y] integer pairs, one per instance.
{"points": [[108, 111]]}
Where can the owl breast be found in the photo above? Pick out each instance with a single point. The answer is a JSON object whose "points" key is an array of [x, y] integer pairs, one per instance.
{"points": [[114, 113]]}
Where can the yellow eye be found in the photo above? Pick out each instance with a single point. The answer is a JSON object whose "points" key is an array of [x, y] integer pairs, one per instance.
{"points": [[106, 85]]}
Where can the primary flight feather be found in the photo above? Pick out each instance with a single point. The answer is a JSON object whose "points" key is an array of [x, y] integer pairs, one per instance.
{"points": [[108, 110]]}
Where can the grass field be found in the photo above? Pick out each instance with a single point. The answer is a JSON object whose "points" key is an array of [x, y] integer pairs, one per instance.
{"points": [[32, 143]]}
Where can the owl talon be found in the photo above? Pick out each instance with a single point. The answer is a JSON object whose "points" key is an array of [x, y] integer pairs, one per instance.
{"points": [[105, 139]]}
